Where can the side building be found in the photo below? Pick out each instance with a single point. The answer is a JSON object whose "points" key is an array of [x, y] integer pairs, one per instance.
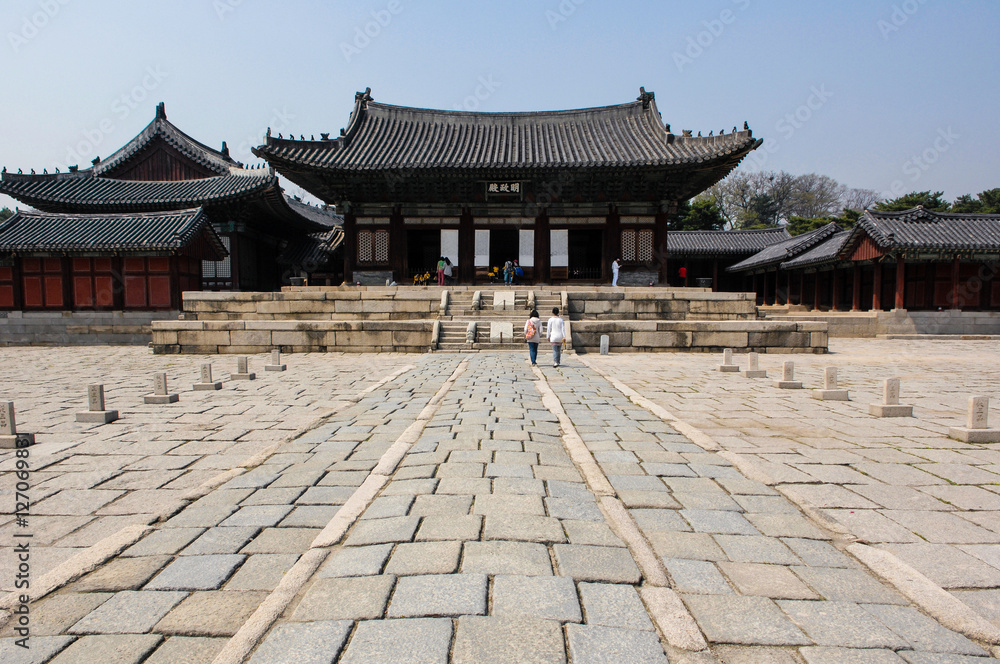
{"points": [[562, 192], [161, 215], [917, 260]]}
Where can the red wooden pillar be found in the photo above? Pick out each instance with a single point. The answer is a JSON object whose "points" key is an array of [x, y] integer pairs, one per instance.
{"points": [[877, 290], [816, 291], [350, 245], [835, 295], [767, 293], [956, 267], [788, 288], [715, 275], [802, 287], [756, 293], [900, 282], [856, 288], [467, 249]]}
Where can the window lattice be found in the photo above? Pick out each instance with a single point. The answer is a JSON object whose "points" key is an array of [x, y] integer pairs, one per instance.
{"points": [[644, 246], [218, 269], [628, 245], [365, 252], [381, 246]]}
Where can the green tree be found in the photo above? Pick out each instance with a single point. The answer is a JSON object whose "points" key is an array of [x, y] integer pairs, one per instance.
{"points": [[931, 201], [988, 202], [6, 213], [701, 214], [799, 225]]}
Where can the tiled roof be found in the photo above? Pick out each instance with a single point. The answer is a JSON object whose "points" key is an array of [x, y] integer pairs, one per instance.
{"points": [[313, 250], [142, 233], [924, 230], [385, 137], [85, 192], [782, 251], [322, 216], [214, 160], [826, 251], [723, 242]]}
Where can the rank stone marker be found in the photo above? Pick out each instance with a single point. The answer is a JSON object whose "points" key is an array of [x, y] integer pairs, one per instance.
{"points": [[830, 392], [788, 381], [9, 437], [605, 344], [96, 412], [243, 369], [978, 430], [160, 394], [727, 365], [753, 368], [207, 384], [890, 406], [275, 364]]}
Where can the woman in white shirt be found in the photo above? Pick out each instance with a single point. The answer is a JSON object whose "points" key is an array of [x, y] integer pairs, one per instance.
{"points": [[556, 329]]}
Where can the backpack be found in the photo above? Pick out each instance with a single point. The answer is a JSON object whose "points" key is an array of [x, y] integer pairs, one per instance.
{"points": [[530, 330], [518, 271]]}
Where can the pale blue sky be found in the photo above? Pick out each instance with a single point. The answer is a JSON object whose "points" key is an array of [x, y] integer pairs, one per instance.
{"points": [[887, 80]]}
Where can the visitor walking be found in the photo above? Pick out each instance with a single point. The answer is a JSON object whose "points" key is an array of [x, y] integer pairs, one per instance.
{"points": [[683, 274], [441, 271], [556, 331], [533, 335], [518, 273], [447, 271], [616, 265], [508, 273]]}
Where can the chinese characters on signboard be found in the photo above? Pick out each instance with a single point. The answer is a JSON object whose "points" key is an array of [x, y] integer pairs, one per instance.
{"points": [[503, 189]]}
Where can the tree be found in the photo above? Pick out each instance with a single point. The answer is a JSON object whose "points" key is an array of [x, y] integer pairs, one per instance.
{"points": [[988, 202], [701, 214], [6, 213], [752, 200], [932, 201], [861, 199], [815, 196], [799, 225]]}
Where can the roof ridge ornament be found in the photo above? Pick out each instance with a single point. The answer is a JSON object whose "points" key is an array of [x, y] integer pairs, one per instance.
{"points": [[161, 111], [364, 97], [645, 97]]}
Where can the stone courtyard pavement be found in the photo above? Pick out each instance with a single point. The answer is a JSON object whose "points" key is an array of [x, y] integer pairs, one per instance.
{"points": [[466, 508]]}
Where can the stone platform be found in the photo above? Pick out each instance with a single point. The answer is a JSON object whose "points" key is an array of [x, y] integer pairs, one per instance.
{"points": [[418, 319]]}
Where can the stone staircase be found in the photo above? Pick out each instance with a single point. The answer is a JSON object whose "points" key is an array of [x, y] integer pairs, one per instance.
{"points": [[506, 322]]}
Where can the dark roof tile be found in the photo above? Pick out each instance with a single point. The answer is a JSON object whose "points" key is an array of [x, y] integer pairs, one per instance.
{"points": [[782, 251], [732, 243]]}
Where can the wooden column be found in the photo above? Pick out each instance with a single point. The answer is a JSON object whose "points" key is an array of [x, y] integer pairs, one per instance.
{"points": [[956, 270], [715, 275], [467, 249], [687, 273], [755, 291], [835, 294], [767, 292], [543, 249], [817, 295], [900, 282], [660, 245], [397, 247], [802, 287], [612, 242], [856, 288], [877, 288], [350, 245]]}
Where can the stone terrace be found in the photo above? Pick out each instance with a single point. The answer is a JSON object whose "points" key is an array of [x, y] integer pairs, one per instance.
{"points": [[463, 508]]}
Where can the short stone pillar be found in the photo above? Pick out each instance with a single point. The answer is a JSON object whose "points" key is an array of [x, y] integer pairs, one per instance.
{"points": [[753, 367], [96, 412], [275, 364], [977, 429], [890, 406], [206, 383], [160, 394], [470, 333], [830, 391], [605, 344], [243, 369], [788, 381], [727, 365], [9, 437]]}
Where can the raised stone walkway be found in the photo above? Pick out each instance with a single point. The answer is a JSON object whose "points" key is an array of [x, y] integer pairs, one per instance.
{"points": [[387, 508]]}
